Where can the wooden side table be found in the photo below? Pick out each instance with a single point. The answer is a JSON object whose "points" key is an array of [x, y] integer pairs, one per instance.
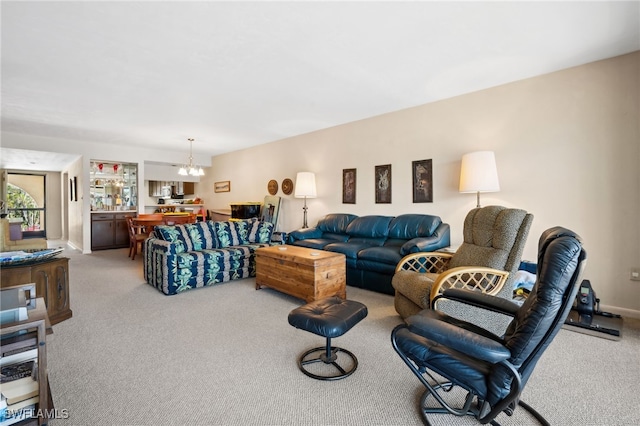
{"points": [[51, 277]]}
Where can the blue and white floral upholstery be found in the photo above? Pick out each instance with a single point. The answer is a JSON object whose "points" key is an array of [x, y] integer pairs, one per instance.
{"points": [[181, 257]]}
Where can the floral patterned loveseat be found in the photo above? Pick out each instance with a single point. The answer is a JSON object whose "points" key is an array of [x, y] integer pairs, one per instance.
{"points": [[182, 257]]}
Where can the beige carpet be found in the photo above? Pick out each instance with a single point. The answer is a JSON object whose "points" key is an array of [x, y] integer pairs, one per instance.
{"points": [[226, 355]]}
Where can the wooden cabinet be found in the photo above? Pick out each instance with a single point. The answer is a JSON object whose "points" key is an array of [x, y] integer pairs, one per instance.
{"points": [[36, 325], [109, 230], [188, 188], [52, 283]]}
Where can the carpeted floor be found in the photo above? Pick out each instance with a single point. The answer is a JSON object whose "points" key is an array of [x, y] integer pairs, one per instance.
{"points": [[226, 355]]}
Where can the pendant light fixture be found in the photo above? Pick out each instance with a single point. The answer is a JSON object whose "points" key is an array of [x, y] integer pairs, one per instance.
{"points": [[191, 169]]}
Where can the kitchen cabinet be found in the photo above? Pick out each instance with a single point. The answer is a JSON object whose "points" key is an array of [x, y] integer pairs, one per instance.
{"points": [[178, 187]]}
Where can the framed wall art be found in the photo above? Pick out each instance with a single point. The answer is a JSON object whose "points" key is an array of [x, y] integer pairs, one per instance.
{"points": [[348, 186], [422, 181], [383, 184], [223, 186]]}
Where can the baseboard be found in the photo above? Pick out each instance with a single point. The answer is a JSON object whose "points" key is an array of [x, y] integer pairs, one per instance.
{"points": [[628, 313], [73, 246]]}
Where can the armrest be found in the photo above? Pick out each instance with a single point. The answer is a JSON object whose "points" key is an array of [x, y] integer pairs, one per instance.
{"points": [[459, 339], [439, 238], [424, 262], [166, 247], [479, 300], [303, 234], [485, 280]]}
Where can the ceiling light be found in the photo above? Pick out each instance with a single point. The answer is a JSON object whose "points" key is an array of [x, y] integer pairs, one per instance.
{"points": [[190, 169]]}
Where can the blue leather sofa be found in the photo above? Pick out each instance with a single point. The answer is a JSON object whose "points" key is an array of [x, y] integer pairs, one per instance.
{"points": [[373, 245]]}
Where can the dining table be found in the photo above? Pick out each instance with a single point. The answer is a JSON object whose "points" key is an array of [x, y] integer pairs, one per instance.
{"points": [[147, 224]]}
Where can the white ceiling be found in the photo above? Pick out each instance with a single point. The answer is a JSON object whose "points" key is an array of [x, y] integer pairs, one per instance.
{"points": [[237, 74]]}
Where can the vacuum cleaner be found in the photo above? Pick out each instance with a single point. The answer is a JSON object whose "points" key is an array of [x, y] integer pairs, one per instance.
{"points": [[586, 317]]}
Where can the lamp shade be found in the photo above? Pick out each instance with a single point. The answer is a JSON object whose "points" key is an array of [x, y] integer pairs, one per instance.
{"points": [[479, 173], [305, 185]]}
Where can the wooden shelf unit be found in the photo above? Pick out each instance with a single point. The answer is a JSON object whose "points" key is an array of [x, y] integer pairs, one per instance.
{"points": [[38, 323]]}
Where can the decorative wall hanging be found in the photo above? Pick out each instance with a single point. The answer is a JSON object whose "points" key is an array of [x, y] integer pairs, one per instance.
{"points": [[383, 184], [223, 186], [75, 188], [287, 186], [348, 186], [272, 187], [422, 181]]}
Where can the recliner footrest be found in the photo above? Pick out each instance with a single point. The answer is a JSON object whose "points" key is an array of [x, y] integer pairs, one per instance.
{"points": [[330, 317]]}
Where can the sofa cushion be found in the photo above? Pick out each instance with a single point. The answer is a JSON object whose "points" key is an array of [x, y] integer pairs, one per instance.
{"points": [[314, 243], [375, 266], [389, 255], [369, 227], [188, 237], [408, 226], [202, 235], [414, 286], [175, 234], [259, 232], [349, 249], [231, 233], [335, 223]]}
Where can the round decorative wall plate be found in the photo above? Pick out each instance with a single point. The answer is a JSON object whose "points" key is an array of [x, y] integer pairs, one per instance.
{"points": [[272, 187], [287, 186]]}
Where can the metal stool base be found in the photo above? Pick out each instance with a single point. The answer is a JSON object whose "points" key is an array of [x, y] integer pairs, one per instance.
{"points": [[327, 357]]}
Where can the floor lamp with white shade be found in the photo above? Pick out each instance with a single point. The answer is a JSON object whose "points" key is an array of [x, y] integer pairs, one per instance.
{"points": [[305, 188], [478, 173]]}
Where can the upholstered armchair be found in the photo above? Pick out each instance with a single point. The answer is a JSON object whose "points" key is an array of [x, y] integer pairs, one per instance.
{"points": [[7, 244], [493, 241]]}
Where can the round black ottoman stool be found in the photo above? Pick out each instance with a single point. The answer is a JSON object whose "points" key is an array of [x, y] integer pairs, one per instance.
{"points": [[330, 317]]}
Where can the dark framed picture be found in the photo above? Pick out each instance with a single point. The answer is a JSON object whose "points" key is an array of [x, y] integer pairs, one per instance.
{"points": [[422, 181], [75, 188], [348, 186], [383, 184]]}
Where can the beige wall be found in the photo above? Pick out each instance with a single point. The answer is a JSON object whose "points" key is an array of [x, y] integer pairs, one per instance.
{"points": [[567, 146], [76, 217]]}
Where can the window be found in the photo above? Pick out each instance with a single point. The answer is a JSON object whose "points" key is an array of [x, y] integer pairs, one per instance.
{"points": [[26, 200]]}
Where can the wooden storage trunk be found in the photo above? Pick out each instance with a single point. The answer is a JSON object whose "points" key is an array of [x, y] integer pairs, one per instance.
{"points": [[301, 272]]}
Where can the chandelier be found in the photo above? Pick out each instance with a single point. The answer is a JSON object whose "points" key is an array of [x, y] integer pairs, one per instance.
{"points": [[191, 169]]}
